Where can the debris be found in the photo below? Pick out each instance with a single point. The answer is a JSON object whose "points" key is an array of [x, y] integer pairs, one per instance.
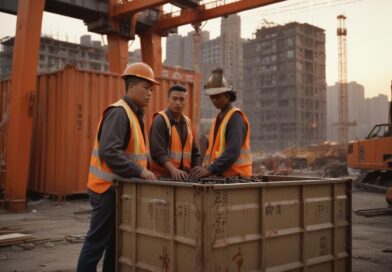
{"points": [[374, 212], [14, 238], [27, 246], [387, 250], [335, 169], [75, 238], [226, 180], [3, 257], [16, 248], [34, 211], [49, 245], [88, 211], [361, 257]]}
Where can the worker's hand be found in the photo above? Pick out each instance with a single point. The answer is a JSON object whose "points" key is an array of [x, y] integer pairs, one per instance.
{"points": [[147, 175], [199, 172], [178, 174]]}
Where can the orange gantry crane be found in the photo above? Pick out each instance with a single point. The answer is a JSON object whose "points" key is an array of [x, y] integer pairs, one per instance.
{"points": [[120, 21]]}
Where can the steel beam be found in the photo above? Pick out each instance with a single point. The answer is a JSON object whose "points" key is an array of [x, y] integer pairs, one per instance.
{"points": [[186, 3], [126, 9], [191, 16], [117, 53], [117, 45], [150, 43], [23, 90]]}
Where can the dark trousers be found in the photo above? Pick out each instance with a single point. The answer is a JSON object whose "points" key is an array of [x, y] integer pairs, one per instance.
{"points": [[101, 237]]}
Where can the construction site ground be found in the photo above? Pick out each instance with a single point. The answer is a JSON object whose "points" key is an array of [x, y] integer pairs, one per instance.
{"points": [[51, 222]]}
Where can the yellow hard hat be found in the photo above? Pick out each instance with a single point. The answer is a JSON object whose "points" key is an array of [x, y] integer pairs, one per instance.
{"points": [[141, 70]]}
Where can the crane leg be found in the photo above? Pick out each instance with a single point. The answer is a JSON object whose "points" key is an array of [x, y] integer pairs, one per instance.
{"points": [[21, 110]]}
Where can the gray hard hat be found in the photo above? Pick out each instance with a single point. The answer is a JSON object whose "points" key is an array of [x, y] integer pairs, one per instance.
{"points": [[217, 83]]}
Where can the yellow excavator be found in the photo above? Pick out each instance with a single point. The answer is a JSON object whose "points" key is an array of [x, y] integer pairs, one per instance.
{"points": [[373, 156]]}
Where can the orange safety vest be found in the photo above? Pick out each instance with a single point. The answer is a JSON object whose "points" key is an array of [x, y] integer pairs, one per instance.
{"points": [[100, 176], [243, 165], [176, 151]]}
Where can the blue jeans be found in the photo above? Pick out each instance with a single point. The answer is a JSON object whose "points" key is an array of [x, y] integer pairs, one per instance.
{"points": [[101, 237]]}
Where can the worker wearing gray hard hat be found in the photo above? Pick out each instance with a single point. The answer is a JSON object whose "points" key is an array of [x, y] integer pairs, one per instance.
{"points": [[228, 153]]}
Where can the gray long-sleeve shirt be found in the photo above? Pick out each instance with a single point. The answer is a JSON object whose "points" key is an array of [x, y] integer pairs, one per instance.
{"points": [[159, 140], [113, 138], [235, 135]]}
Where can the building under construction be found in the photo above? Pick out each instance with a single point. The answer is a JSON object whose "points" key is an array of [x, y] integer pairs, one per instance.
{"points": [[284, 82], [54, 54]]}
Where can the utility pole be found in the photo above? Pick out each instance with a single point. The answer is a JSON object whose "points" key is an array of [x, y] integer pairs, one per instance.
{"points": [[196, 47]]}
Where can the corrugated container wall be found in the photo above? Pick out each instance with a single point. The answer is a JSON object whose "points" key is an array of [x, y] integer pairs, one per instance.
{"points": [[287, 225], [69, 104]]}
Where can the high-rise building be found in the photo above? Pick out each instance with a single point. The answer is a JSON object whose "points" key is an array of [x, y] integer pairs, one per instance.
{"points": [[363, 113], [356, 113], [377, 109], [174, 50], [232, 55], [179, 49], [135, 56], [284, 85], [189, 45], [211, 58]]}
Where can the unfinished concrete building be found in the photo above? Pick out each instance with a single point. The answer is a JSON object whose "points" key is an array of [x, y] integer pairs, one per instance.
{"points": [[54, 54], [285, 87]]}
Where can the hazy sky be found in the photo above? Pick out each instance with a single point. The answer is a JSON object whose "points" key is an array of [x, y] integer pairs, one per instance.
{"points": [[369, 34]]}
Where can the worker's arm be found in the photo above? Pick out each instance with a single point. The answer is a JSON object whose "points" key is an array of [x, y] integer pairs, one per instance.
{"points": [[197, 158], [113, 139], [235, 135], [159, 141]]}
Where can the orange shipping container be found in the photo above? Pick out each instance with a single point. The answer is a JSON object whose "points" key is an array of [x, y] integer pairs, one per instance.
{"points": [[68, 107]]}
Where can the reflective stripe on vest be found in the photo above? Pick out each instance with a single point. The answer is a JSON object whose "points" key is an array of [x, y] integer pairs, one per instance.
{"points": [[100, 176], [177, 151], [132, 157], [243, 164]]}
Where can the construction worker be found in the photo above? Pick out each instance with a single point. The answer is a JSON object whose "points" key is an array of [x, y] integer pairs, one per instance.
{"points": [[228, 153], [120, 150], [172, 143]]}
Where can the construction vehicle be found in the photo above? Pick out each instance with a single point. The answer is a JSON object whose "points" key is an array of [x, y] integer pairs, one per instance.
{"points": [[327, 157], [373, 156]]}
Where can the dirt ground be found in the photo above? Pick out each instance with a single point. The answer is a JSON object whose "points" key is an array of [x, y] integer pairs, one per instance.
{"points": [[50, 222]]}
